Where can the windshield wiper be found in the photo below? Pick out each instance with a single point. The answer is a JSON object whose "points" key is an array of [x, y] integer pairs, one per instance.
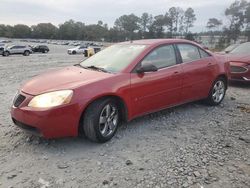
{"points": [[78, 65], [95, 68], [92, 67]]}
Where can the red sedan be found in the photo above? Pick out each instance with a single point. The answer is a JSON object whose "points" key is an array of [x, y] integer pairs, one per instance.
{"points": [[239, 59], [120, 83]]}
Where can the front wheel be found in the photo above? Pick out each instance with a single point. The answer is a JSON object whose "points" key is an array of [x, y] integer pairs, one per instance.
{"points": [[101, 120], [217, 92], [6, 53]]}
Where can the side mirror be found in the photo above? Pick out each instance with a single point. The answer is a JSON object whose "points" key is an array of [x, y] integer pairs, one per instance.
{"points": [[147, 67], [227, 51]]}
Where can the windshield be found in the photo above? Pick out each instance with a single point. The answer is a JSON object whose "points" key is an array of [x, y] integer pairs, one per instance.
{"points": [[242, 49], [114, 58]]}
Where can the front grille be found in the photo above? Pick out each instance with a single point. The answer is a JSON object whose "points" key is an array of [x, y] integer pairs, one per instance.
{"points": [[18, 100], [238, 69]]}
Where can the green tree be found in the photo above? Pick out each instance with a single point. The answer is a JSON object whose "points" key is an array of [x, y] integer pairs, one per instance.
{"points": [[213, 24], [247, 20], [21, 31], [96, 32], [129, 24], [157, 27], [189, 19], [44, 31], [236, 17], [174, 16], [146, 21]]}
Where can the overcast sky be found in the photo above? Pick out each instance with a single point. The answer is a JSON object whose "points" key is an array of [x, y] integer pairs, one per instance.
{"points": [[90, 11]]}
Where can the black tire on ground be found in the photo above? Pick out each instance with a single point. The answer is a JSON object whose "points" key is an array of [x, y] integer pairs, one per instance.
{"points": [[6, 53], [214, 98], [92, 118], [26, 53], [74, 52]]}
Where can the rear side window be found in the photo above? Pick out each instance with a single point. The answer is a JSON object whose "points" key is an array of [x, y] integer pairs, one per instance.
{"points": [[188, 52], [161, 57], [203, 53]]}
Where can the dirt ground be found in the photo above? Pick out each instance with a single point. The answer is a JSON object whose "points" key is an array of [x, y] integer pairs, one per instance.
{"points": [[192, 145]]}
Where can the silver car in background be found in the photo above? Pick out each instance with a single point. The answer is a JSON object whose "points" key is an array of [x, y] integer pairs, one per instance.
{"points": [[17, 49]]}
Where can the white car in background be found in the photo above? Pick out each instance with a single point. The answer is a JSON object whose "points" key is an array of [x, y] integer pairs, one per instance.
{"points": [[78, 50]]}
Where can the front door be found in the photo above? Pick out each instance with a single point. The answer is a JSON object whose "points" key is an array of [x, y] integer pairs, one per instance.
{"points": [[152, 91]]}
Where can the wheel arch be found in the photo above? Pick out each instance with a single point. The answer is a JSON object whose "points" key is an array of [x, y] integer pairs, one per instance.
{"points": [[224, 76], [121, 104]]}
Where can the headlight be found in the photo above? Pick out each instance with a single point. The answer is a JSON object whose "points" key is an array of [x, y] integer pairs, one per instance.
{"points": [[51, 99]]}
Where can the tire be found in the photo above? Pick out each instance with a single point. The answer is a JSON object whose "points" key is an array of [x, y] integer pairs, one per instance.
{"points": [[26, 53], [99, 125], [74, 52], [6, 53], [217, 92]]}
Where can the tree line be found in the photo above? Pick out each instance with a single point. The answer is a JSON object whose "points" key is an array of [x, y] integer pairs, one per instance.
{"points": [[238, 23], [126, 27], [175, 22]]}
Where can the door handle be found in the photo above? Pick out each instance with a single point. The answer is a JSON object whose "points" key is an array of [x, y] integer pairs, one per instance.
{"points": [[175, 73], [209, 64]]}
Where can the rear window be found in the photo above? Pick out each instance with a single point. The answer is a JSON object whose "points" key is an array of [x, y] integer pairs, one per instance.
{"points": [[188, 52], [203, 53]]}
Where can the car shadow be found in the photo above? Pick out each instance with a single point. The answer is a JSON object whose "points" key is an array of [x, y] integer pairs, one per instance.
{"points": [[72, 144]]}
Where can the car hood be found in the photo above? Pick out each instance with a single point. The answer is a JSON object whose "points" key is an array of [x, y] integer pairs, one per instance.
{"points": [[239, 58], [66, 78]]}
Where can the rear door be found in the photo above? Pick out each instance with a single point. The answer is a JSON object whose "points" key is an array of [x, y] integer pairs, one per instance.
{"points": [[152, 91], [198, 68]]}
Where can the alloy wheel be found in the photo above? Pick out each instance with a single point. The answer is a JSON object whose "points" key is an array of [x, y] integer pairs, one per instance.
{"points": [[218, 91], [108, 120]]}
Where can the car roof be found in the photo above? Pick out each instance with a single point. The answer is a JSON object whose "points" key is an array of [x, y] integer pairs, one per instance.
{"points": [[157, 41]]}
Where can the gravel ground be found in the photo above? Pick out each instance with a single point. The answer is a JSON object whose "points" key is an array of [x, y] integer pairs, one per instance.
{"points": [[192, 145]]}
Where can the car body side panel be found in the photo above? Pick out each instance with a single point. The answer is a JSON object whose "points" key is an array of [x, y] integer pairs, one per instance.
{"points": [[155, 90]]}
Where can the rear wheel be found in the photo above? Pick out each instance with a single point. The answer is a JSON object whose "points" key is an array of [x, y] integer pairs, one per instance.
{"points": [[26, 53], [101, 120], [217, 92], [74, 52]]}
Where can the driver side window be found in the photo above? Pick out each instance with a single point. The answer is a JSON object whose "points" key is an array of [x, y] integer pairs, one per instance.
{"points": [[161, 57]]}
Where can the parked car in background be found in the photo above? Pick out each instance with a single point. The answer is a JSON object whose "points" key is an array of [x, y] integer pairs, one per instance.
{"points": [[78, 50], [118, 84], [40, 48], [17, 49], [1, 48], [230, 48], [239, 59]]}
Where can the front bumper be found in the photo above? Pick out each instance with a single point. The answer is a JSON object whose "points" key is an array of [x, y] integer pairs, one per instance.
{"points": [[61, 121]]}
